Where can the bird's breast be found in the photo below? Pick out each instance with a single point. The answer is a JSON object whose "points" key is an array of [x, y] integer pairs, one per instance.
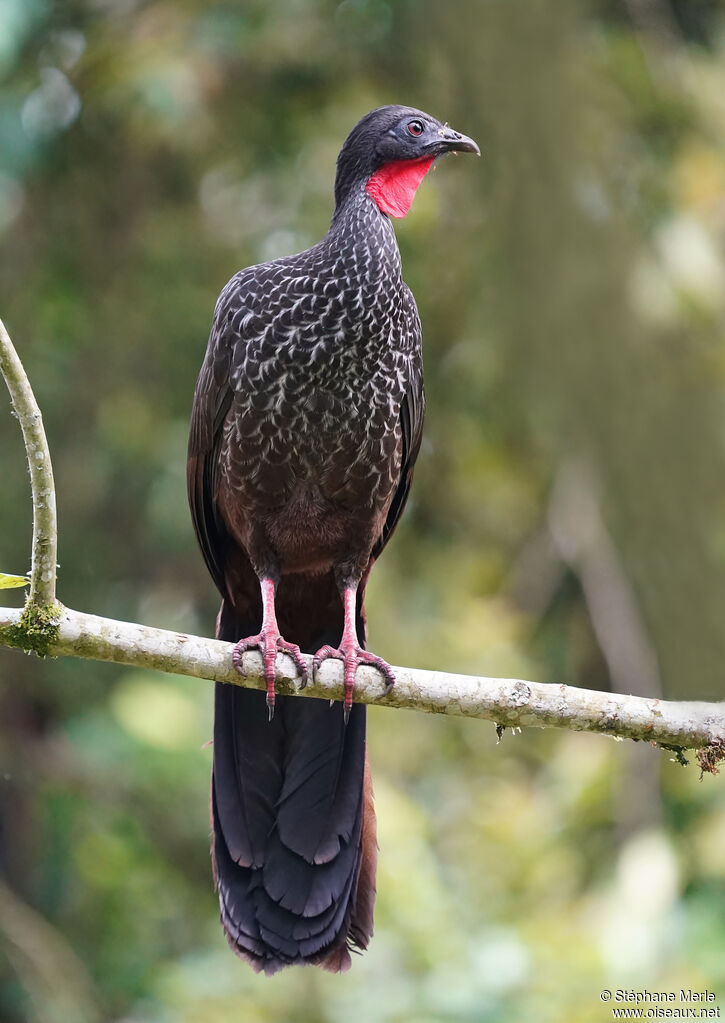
{"points": [[312, 443]]}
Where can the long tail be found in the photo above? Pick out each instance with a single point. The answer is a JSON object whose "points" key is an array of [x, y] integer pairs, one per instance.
{"points": [[294, 846]]}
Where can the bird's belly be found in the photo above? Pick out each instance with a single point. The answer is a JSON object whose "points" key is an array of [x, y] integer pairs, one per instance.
{"points": [[307, 531], [315, 489]]}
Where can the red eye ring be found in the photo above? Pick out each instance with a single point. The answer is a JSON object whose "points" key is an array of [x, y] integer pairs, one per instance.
{"points": [[415, 128]]}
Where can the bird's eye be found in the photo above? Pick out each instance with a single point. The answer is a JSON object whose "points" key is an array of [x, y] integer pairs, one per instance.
{"points": [[415, 128]]}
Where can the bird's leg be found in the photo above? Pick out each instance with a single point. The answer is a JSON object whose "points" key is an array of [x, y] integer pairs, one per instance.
{"points": [[351, 653], [268, 641]]}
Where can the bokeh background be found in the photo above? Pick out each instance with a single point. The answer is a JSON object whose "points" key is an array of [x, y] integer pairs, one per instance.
{"points": [[568, 513]]}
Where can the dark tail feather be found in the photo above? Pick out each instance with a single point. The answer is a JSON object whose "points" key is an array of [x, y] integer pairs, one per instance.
{"points": [[294, 847]]}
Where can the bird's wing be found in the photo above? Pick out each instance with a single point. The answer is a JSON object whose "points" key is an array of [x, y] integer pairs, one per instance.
{"points": [[212, 400], [412, 410]]}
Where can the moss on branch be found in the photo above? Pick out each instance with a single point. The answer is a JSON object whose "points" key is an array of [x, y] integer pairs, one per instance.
{"points": [[37, 630]]}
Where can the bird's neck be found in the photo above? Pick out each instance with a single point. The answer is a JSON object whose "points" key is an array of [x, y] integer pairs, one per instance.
{"points": [[361, 230]]}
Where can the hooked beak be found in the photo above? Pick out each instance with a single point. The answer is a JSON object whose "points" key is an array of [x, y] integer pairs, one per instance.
{"points": [[450, 141]]}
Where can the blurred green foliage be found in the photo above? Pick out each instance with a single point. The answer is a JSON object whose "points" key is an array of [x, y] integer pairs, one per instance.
{"points": [[567, 517]]}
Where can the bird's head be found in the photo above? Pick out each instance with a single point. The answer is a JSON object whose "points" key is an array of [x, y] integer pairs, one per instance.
{"points": [[390, 151]]}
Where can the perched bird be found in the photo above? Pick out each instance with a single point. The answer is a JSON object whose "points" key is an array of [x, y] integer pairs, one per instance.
{"points": [[306, 424]]}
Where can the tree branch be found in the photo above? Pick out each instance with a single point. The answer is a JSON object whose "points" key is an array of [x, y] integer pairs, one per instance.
{"points": [[48, 628], [508, 702], [45, 530]]}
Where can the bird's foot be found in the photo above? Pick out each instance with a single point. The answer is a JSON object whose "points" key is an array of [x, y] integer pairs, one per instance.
{"points": [[269, 642], [351, 655]]}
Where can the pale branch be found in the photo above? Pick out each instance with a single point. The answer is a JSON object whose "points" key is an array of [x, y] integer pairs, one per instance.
{"points": [[45, 531], [508, 702], [47, 628]]}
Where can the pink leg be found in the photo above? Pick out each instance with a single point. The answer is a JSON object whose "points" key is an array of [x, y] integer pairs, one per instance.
{"points": [[268, 642], [351, 653]]}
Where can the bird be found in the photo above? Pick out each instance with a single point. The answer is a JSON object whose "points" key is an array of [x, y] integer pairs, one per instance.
{"points": [[306, 424]]}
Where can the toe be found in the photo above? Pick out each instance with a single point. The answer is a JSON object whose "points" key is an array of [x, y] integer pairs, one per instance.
{"points": [[323, 654], [296, 654], [383, 667], [239, 650]]}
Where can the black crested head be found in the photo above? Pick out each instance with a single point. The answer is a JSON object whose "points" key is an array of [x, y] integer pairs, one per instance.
{"points": [[390, 134]]}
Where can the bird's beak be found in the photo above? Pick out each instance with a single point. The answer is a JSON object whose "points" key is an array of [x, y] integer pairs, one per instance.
{"points": [[451, 141]]}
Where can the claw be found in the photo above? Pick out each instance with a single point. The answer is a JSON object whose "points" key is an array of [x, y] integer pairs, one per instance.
{"points": [[269, 642], [389, 680], [352, 655]]}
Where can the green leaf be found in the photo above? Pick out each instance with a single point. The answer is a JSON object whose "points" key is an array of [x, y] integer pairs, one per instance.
{"points": [[11, 582]]}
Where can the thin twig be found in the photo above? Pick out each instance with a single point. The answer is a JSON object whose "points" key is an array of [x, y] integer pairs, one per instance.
{"points": [[509, 702], [45, 530]]}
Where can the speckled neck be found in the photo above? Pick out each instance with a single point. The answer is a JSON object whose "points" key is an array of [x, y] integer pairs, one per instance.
{"points": [[361, 230]]}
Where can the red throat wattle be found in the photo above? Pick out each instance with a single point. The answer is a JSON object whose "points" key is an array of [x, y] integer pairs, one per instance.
{"points": [[393, 187]]}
